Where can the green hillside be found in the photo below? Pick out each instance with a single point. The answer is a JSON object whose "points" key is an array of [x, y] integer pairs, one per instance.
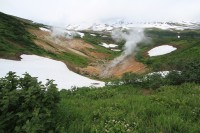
{"points": [[188, 48], [116, 109], [134, 103], [16, 40]]}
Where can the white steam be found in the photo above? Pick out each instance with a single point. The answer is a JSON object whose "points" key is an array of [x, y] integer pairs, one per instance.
{"points": [[132, 38], [58, 33], [61, 32]]}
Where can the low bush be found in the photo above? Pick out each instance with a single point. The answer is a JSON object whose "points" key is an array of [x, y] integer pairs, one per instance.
{"points": [[27, 105]]}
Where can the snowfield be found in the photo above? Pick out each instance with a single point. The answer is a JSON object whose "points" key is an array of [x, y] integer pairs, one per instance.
{"points": [[101, 27], [129, 25], [45, 68], [161, 50]]}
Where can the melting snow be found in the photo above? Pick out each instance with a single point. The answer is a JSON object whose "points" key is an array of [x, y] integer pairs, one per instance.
{"points": [[44, 29], [109, 45], [93, 35], [81, 34], [117, 50], [161, 50], [104, 36], [162, 73], [74, 33], [45, 68]]}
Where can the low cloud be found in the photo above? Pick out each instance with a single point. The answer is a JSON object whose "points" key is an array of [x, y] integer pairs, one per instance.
{"points": [[63, 12]]}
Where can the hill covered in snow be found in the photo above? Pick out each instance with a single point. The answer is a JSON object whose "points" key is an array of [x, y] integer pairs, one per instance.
{"points": [[128, 25]]}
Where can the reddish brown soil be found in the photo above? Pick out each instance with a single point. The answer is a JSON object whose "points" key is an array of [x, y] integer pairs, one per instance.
{"points": [[99, 55], [93, 71], [129, 64]]}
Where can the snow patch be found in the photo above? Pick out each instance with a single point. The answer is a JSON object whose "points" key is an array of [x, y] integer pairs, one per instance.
{"points": [[161, 50], [104, 36], [81, 34], [74, 33], [109, 45], [45, 68], [116, 50], [45, 29], [162, 73], [93, 35]]}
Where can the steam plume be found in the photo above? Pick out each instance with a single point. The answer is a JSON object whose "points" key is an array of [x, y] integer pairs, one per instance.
{"points": [[61, 32], [132, 38]]}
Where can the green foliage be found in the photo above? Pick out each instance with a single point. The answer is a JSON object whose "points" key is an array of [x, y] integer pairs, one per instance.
{"points": [[188, 48], [14, 37], [152, 81], [71, 58], [130, 78], [27, 105], [92, 39], [188, 71], [175, 78], [182, 55], [125, 109], [98, 39], [113, 126], [191, 71]]}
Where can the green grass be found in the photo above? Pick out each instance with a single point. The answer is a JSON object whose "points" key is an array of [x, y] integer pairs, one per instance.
{"points": [[125, 108], [188, 48], [71, 58], [14, 37]]}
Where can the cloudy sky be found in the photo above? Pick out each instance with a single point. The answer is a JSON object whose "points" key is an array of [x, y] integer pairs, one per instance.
{"points": [[61, 12]]}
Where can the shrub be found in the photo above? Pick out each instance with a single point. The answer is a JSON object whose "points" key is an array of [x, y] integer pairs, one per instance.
{"points": [[27, 105]]}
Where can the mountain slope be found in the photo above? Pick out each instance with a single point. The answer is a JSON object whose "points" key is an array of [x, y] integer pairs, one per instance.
{"points": [[14, 38], [82, 54], [122, 24], [19, 36], [89, 53]]}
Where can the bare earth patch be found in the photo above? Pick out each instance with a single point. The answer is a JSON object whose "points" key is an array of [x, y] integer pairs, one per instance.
{"points": [[129, 64]]}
